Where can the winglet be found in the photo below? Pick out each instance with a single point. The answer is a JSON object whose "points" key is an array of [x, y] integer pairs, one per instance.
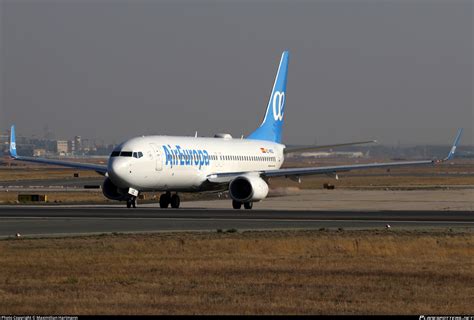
{"points": [[13, 153], [453, 148]]}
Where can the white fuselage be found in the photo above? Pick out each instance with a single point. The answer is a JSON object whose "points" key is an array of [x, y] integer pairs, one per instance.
{"points": [[167, 163]]}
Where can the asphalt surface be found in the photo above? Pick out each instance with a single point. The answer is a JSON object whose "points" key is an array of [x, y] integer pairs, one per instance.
{"points": [[75, 220]]}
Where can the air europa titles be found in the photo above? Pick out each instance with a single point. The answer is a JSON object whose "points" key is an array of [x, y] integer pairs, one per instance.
{"points": [[185, 157]]}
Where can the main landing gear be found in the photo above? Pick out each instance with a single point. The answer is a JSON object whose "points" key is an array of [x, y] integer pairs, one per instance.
{"points": [[238, 205], [167, 199], [132, 202]]}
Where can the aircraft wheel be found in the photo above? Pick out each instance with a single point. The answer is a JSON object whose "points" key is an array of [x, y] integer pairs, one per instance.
{"points": [[248, 205], [236, 204], [134, 202], [175, 201], [164, 200]]}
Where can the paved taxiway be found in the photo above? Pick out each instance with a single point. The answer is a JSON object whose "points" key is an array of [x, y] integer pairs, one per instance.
{"points": [[73, 220]]}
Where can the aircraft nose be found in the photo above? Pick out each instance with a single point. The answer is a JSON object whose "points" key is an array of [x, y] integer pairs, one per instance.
{"points": [[118, 170]]}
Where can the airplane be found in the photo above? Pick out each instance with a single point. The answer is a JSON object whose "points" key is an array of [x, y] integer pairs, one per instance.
{"points": [[242, 167]]}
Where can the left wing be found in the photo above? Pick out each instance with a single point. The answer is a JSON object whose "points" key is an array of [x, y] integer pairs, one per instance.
{"points": [[101, 169], [296, 172]]}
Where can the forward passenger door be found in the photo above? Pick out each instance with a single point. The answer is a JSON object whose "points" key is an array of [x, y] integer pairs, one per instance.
{"points": [[158, 157]]}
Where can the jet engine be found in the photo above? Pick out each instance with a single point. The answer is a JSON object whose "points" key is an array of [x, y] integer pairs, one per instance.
{"points": [[111, 191], [248, 189]]}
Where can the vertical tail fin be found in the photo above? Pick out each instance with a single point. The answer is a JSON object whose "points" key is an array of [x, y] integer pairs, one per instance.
{"points": [[271, 127]]}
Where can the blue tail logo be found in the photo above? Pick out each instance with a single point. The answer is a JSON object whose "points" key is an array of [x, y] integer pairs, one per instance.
{"points": [[271, 127], [13, 153], [278, 104]]}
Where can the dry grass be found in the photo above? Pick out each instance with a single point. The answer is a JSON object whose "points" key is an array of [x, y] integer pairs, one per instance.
{"points": [[72, 197], [459, 174], [375, 182], [285, 272], [42, 173]]}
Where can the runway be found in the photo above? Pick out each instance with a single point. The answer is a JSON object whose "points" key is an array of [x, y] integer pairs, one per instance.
{"points": [[32, 221]]}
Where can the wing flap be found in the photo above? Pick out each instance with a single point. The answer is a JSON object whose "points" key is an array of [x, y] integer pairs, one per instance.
{"points": [[292, 172], [335, 169]]}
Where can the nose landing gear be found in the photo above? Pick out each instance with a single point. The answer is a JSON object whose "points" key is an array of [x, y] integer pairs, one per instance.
{"points": [[166, 199], [132, 202]]}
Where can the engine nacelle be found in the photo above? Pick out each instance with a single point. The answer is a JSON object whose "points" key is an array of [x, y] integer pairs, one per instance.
{"points": [[112, 192], [248, 189]]}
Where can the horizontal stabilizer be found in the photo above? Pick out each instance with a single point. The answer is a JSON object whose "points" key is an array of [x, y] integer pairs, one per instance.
{"points": [[323, 147]]}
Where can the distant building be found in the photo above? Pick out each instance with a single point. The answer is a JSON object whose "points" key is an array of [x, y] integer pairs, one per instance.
{"points": [[39, 152], [62, 147], [4, 142], [71, 147], [77, 144]]}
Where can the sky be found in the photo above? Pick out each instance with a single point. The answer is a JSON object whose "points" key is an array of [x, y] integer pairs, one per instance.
{"points": [[398, 71]]}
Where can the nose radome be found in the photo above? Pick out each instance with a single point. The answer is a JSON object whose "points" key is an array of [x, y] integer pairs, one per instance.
{"points": [[118, 171]]}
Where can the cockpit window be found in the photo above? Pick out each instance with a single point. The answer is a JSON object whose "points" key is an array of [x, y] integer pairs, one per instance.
{"points": [[135, 154]]}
